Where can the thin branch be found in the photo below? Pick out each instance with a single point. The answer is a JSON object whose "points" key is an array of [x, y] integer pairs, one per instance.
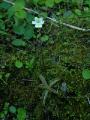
{"points": [[9, 2], [75, 27], [54, 20]]}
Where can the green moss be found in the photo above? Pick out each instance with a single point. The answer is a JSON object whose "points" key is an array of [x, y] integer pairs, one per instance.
{"points": [[63, 57]]}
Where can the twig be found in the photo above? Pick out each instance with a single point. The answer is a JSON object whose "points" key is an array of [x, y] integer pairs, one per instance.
{"points": [[54, 20], [7, 1]]}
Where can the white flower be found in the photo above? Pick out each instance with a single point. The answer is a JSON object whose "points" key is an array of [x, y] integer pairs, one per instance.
{"points": [[38, 22]]}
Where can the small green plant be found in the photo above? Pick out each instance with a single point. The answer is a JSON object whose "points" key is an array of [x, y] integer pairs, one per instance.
{"points": [[18, 43], [48, 3], [86, 74], [47, 88], [21, 114], [18, 64], [4, 112], [44, 38], [29, 64], [12, 109]]}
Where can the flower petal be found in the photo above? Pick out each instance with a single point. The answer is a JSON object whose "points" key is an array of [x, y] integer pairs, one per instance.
{"points": [[38, 22], [38, 25], [36, 19], [33, 22], [41, 20]]}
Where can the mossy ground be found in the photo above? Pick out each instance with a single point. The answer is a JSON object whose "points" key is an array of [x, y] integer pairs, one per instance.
{"points": [[63, 58]]}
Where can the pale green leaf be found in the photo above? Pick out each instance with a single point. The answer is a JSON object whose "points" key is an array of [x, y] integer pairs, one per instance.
{"points": [[18, 42], [12, 109], [86, 74], [18, 64], [21, 114]]}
